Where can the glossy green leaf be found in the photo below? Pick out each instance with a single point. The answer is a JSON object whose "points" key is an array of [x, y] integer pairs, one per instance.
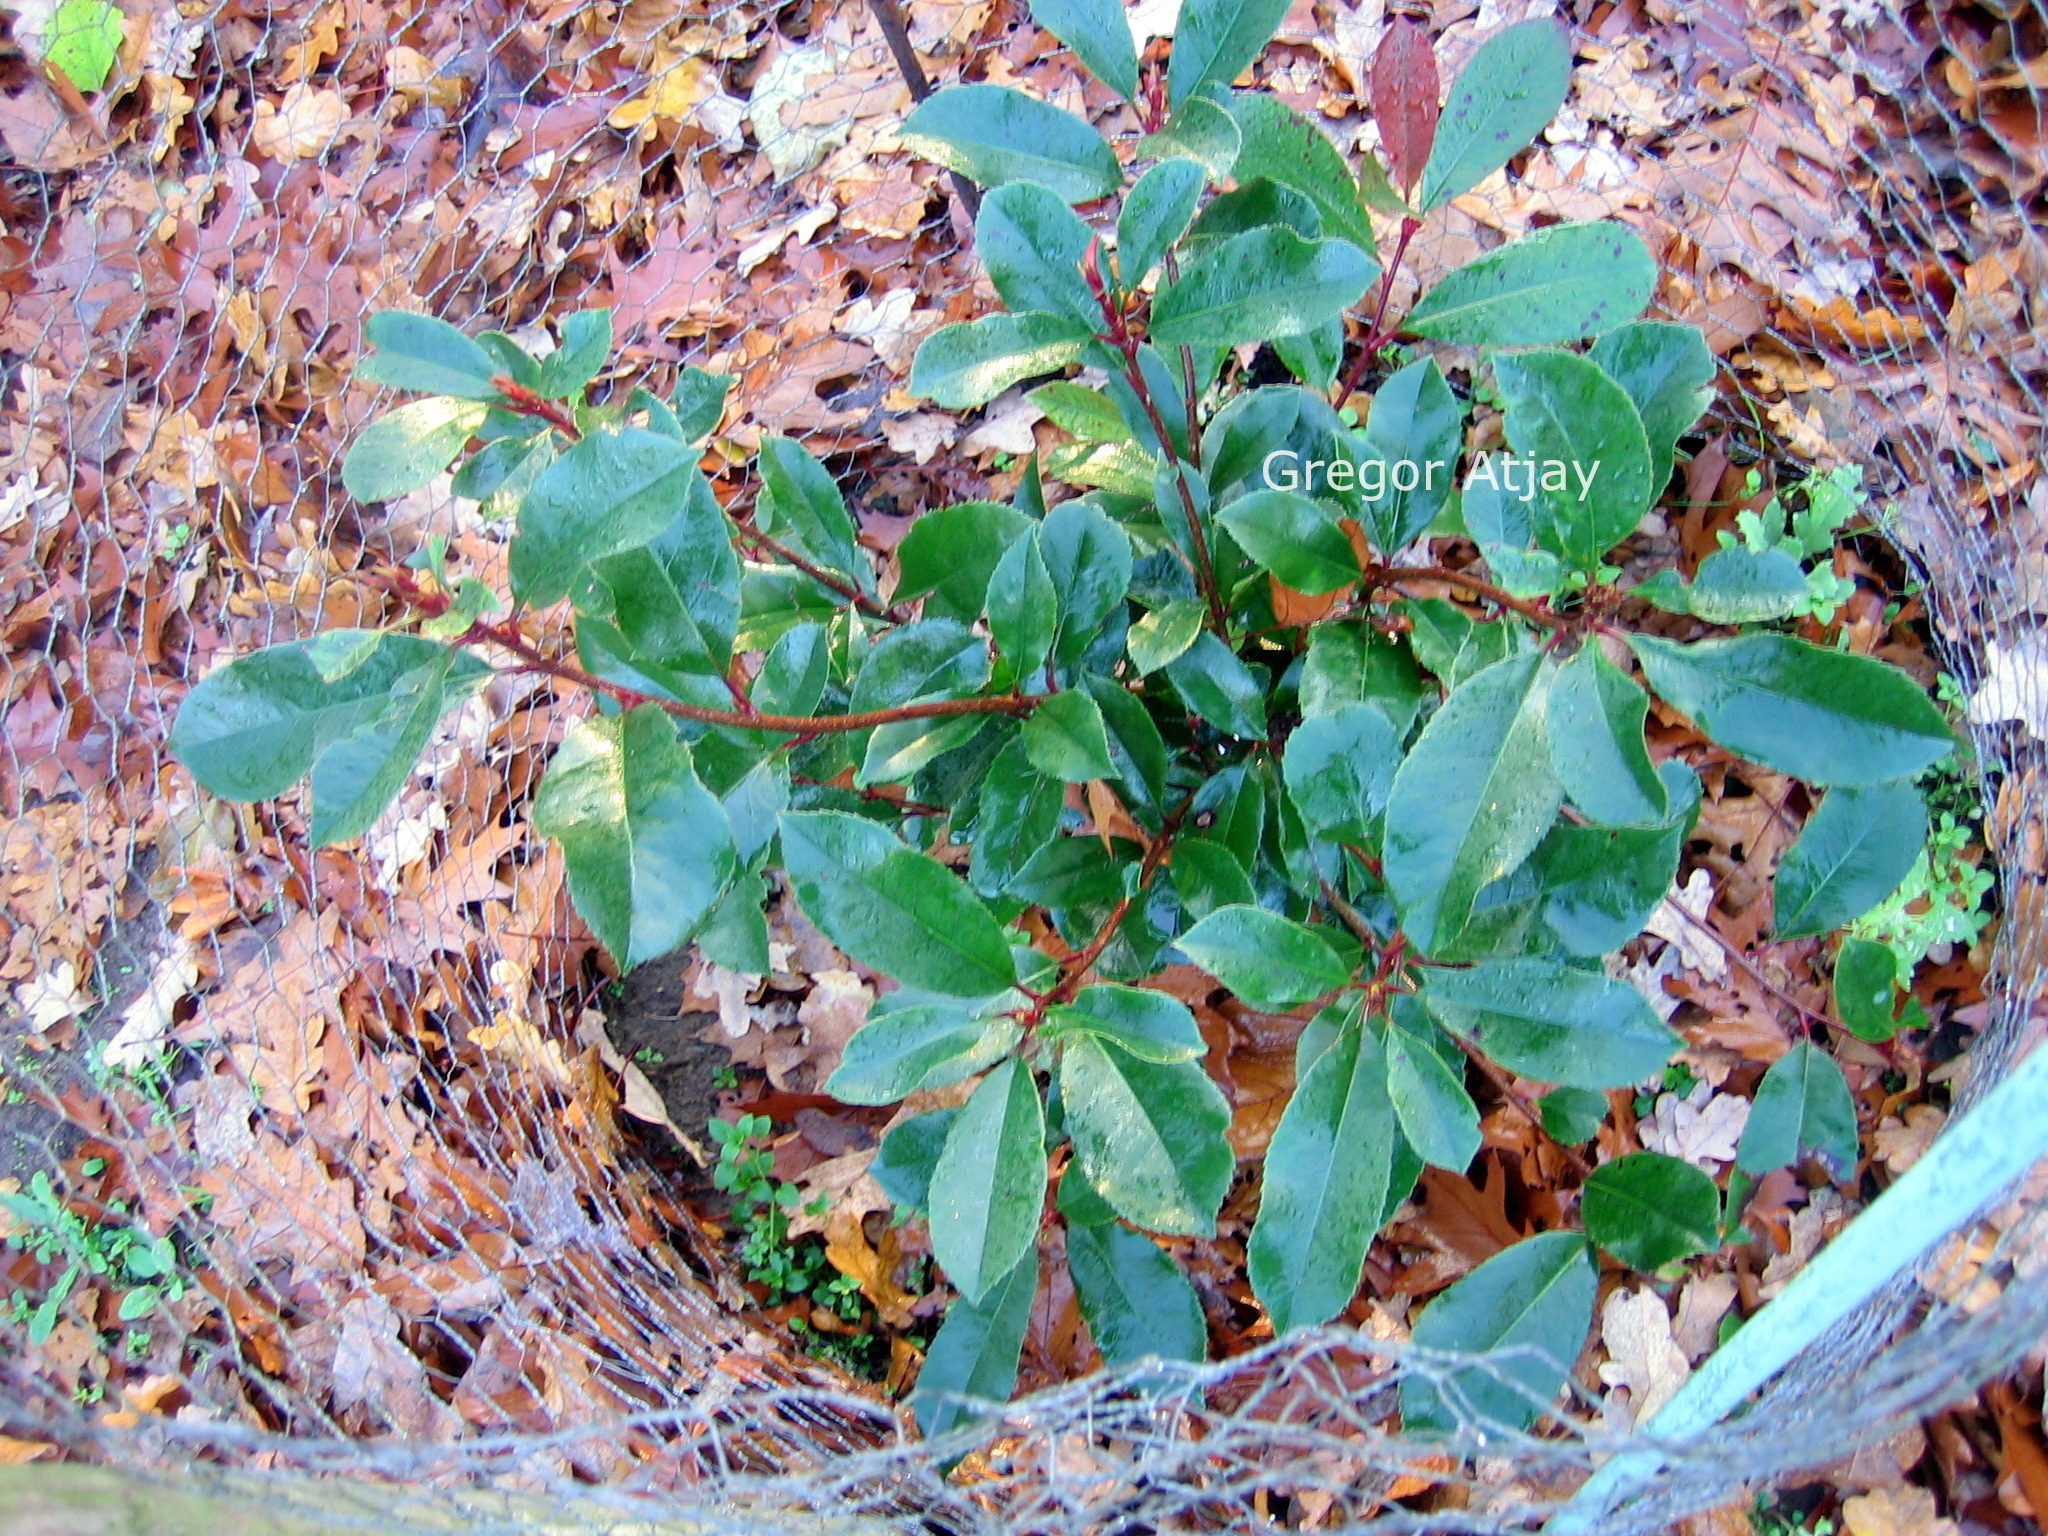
{"points": [[251, 729], [404, 449], [1254, 203], [1560, 410], [1164, 634], [792, 677], [1413, 433], [1553, 1022], [1533, 1303], [586, 347], [1601, 884], [1019, 814], [892, 909], [1087, 413], [1669, 374], [1597, 750], [648, 848], [1135, 747], [1573, 1116], [1023, 607], [1821, 715], [1506, 94], [361, 773], [904, 1162], [1356, 664], [951, 552], [1148, 1025], [1156, 213], [1649, 1210], [1258, 285], [1031, 245], [971, 1369], [988, 1187], [927, 659], [1325, 1186], [994, 134], [1866, 989], [698, 403], [1281, 145], [1736, 585], [806, 503], [1315, 355], [1268, 960], [1297, 539], [609, 492], [1099, 35], [1454, 645], [1088, 559], [1230, 808], [1472, 799], [676, 600], [1220, 687], [1556, 285], [1339, 769], [1148, 1137], [959, 367], [1215, 40], [1134, 1298], [1802, 1106], [1851, 854], [1436, 1114], [1070, 872], [418, 352], [1065, 739], [1207, 875], [929, 1046], [1199, 130]]}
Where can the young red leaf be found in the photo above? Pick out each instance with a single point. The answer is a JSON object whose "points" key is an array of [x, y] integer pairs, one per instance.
{"points": [[1405, 99]]}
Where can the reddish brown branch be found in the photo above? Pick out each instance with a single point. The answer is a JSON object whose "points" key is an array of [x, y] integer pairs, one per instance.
{"points": [[1375, 336], [533, 659], [521, 401], [817, 573], [1535, 613]]}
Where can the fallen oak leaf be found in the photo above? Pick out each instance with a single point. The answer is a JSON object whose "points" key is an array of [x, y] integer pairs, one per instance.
{"points": [[302, 126]]}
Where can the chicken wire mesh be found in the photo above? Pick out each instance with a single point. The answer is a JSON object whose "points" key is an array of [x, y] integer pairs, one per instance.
{"points": [[363, 1091]]}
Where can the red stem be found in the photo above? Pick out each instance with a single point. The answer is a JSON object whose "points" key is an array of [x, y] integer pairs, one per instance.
{"points": [[522, 401], [534, 659], [1375, 336]]}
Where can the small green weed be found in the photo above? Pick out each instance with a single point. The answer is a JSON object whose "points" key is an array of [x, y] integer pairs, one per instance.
{"points": [[762, 1206], [127, 1256], [1808, 533]]}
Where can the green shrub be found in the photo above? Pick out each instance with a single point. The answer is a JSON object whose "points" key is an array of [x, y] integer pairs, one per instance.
{"points": [[1428, 826]]}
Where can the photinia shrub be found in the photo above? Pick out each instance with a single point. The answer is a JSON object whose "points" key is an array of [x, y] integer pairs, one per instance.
{"points": [[1204, 711]]}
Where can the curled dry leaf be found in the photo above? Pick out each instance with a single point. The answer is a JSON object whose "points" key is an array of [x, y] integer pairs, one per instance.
{"points": [[301, 126], [1642, 1356]]}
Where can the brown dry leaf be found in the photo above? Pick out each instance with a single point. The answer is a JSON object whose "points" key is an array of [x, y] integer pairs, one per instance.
{"points": [[1642, 1357], [14, 1453], [1899, 1145], [320, 41], [835, 1008], [1896, 1512], [1705, 1300], [1262, 1082], [847, 1246], [299, 127], [1463, 1224], [284, 1204]]}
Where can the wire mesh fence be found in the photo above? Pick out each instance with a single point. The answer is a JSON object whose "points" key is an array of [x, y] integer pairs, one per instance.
{"points": [[366, 1093]]}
